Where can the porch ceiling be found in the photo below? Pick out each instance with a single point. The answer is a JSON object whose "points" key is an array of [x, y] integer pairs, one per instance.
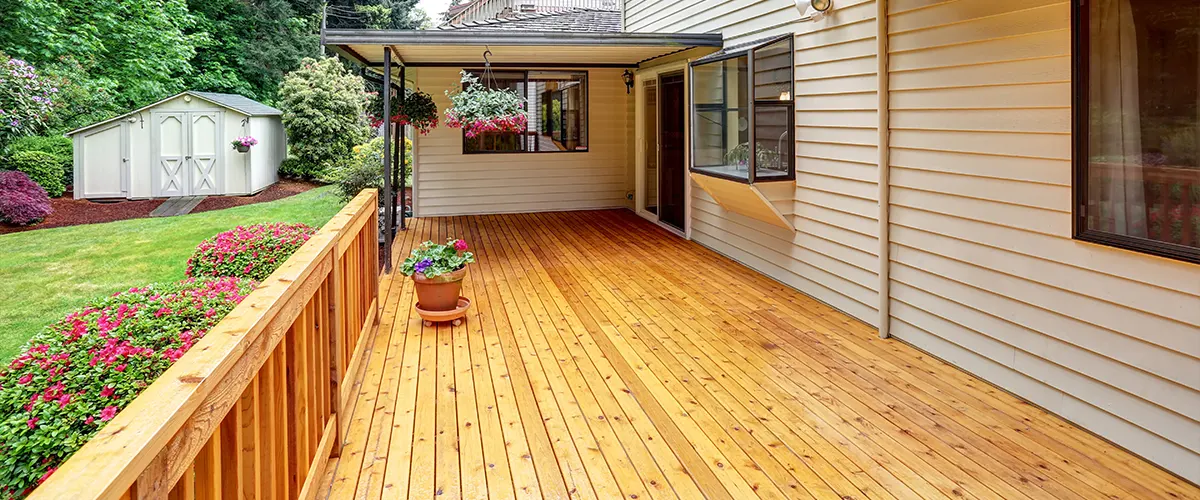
{"points": [[524, 48]]}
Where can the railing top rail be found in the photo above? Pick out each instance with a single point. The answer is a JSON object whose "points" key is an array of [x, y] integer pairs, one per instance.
{"points": [[110, 463]]}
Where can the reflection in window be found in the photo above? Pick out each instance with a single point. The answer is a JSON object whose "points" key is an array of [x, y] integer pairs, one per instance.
{"points": [[1142, 169], [556, 108], [740, 131]]}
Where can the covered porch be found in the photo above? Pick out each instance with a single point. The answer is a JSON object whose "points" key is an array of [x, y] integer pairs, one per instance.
{"points": [[605, 357]]}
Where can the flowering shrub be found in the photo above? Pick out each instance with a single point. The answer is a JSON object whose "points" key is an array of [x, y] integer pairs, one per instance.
{"points": [[22, 201], [26, 99], [245, 141], [43, 168], [417, 110], [80, 372], [251, 251], [433, 260], [477, 109]]}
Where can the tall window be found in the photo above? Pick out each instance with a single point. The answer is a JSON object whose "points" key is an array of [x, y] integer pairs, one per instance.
{"points": [[556, 109], [1137, 101], [742, 116]]}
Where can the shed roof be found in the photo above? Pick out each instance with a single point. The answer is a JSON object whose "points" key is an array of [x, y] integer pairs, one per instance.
{"points": [[239, 103]]}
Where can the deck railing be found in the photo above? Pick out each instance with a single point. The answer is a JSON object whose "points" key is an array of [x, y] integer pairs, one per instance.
{"points": [[251, 411]]}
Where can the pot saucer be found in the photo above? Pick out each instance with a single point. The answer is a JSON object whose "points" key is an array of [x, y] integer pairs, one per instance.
{"points": [[454, 315]]}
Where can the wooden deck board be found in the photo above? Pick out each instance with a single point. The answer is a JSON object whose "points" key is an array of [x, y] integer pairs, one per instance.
{"points": [[604, 358]]}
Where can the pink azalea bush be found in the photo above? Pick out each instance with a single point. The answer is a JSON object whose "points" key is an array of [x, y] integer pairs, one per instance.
{"points": [[248, 251], [22, 201], [78, 373]]}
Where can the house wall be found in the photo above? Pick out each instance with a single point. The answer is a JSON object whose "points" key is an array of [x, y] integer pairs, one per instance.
{"points": [[983, 270], [451, 183]]}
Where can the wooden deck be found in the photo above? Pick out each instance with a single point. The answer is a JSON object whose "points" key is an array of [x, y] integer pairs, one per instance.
{"points": [[606, 358]]}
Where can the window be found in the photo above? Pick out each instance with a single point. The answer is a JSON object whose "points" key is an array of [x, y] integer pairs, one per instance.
{"points": [[1137, 137], [556, 108], [742, 125]]}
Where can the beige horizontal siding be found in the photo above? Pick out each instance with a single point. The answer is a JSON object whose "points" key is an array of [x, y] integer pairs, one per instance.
{"points": [[451, 183], [984, 272]]}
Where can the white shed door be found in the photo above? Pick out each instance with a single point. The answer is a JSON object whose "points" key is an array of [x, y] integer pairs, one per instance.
{"points": [[170, 153], [205, 142]]}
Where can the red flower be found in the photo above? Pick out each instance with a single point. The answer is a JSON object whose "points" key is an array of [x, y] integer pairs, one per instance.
{"points": [[47, 475], [460, 245], [106, 391], [25, 379], [108, 413], [32, 422], [89, 420]]}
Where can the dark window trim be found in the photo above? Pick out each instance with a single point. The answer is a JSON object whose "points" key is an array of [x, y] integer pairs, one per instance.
{"points": [[751, 104], [587, 76], [1080, 72]]}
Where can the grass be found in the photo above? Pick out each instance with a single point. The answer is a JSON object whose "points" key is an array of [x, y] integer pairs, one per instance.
{"points": [[47, 273]]}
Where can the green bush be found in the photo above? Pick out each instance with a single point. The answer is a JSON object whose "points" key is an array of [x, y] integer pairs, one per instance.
{"points": [[323, 108], [43, 168], [60, 147], [365, 169]]}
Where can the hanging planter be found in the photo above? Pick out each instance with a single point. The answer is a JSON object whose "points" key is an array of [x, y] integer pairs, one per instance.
{"points": [[477, 108], [242, 144], [417, 110]]}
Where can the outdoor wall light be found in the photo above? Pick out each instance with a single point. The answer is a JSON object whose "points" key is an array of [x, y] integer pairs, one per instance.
{"points": [[813, 9], [628, 77]]}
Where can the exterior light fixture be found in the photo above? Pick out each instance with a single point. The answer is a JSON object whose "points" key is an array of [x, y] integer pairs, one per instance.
{"points": [[628, 77], [813, 9]]}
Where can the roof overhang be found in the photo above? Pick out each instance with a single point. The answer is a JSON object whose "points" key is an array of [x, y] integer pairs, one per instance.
{"points": [[416, 48]]}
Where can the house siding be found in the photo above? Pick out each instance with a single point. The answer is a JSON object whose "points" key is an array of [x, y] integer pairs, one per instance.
{"points": [[451, 183], [983, 270]]}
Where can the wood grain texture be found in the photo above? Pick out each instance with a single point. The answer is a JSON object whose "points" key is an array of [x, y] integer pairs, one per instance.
{"points": [[605, 357]]}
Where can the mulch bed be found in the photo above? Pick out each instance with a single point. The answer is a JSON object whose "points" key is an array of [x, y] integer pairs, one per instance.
{"points": [[71, 212]]}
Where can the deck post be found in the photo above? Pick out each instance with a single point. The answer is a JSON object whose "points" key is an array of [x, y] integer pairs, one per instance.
{"points": [[389, 206], [884, 104], [337, 361], [401, 145]]}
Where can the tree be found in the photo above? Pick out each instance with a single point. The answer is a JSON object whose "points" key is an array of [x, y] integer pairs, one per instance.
{"points": [[26, 99], [376, 14], [323, 108]]}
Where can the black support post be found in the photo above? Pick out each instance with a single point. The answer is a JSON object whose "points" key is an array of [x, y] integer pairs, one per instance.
{"points": [[401, 146], [389, 210]]}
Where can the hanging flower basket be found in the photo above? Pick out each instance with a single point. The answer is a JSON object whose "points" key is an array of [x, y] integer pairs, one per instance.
{"points": [[478, 109], [242, 144], [418, 110]]}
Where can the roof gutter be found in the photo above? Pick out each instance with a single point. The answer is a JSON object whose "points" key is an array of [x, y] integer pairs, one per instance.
{"points": [[529, 38]]}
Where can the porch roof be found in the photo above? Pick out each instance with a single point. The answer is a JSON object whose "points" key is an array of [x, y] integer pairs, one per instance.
{"points": [[415, 48]]}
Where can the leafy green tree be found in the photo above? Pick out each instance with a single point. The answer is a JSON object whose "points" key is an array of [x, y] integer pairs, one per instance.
{"points": [[323, 108], [221, 42]]}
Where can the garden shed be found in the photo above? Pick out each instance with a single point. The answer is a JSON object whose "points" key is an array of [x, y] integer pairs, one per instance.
{"points": [[180, 146]]}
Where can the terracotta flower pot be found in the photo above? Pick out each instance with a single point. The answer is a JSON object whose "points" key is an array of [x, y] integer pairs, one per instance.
{"points": [[440, 293]]}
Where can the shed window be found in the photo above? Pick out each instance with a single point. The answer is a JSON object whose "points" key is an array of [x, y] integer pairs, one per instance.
{"points": [[1137, 143], [556, 108], [743, 114]]}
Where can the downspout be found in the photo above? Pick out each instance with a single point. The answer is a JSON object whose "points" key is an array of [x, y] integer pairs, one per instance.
{"points": [[881, 38]]}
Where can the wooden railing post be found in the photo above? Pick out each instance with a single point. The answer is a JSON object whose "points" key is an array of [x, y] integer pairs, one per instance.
{"points": [[338, 364]]}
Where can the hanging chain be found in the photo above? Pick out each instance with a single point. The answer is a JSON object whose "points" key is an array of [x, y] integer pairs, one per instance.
{"points": [[489, 80]]}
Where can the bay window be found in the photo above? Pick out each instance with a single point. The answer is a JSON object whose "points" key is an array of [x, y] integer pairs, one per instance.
{"points": [[1137, 125], [743, 114]]}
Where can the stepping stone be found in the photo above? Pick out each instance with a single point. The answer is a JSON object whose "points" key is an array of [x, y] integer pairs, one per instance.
{"points": [[177, 206]]}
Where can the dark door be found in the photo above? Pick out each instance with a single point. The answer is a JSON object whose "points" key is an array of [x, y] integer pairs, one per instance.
{"points": [[671, 172]]}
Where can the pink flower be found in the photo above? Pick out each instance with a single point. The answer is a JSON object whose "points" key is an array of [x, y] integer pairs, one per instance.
{"points": [[32, 422], [108, 413], [25, 379], [460, 245], [120, 368], [89, 420], [106, 391]]}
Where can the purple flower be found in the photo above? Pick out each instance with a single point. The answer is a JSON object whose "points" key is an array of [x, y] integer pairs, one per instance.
{"points": [[423, 265]]}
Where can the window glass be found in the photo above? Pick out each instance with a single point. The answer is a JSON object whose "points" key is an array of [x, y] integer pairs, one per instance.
{"points": [[556, 109], [773, 72], [721, 125], [773, 141], [1142, 164]]}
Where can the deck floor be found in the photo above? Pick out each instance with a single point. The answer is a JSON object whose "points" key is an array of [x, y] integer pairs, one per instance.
{"points": [[605, 358]]}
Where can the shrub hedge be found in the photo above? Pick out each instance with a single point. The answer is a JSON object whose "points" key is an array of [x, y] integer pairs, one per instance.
{"points": [[43, 168], [77, 374], [58, 146], [251, 251], [22, 201]]}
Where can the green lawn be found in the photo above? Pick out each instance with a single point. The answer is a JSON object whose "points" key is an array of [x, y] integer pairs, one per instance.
{"points": [[44, 274]]}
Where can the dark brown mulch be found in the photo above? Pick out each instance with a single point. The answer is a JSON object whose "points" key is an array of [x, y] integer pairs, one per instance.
{"points": [[71, 212], [279, 190]]}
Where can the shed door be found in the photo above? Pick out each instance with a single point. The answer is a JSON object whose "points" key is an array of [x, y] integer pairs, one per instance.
{"points": [[170, 175], [204, 165]]}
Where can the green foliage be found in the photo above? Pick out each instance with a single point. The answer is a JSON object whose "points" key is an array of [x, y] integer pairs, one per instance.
{"points": [[83, 99], [43, 168], [433, 260], [55, 145], [323, 107], [78, 373], [377, 14], [26, 99], [365, 169]]}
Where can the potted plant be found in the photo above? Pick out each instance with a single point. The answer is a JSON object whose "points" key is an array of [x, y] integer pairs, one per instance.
{"points": [[418, 110], [242, 144], [437, 271], [477, 109]]}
